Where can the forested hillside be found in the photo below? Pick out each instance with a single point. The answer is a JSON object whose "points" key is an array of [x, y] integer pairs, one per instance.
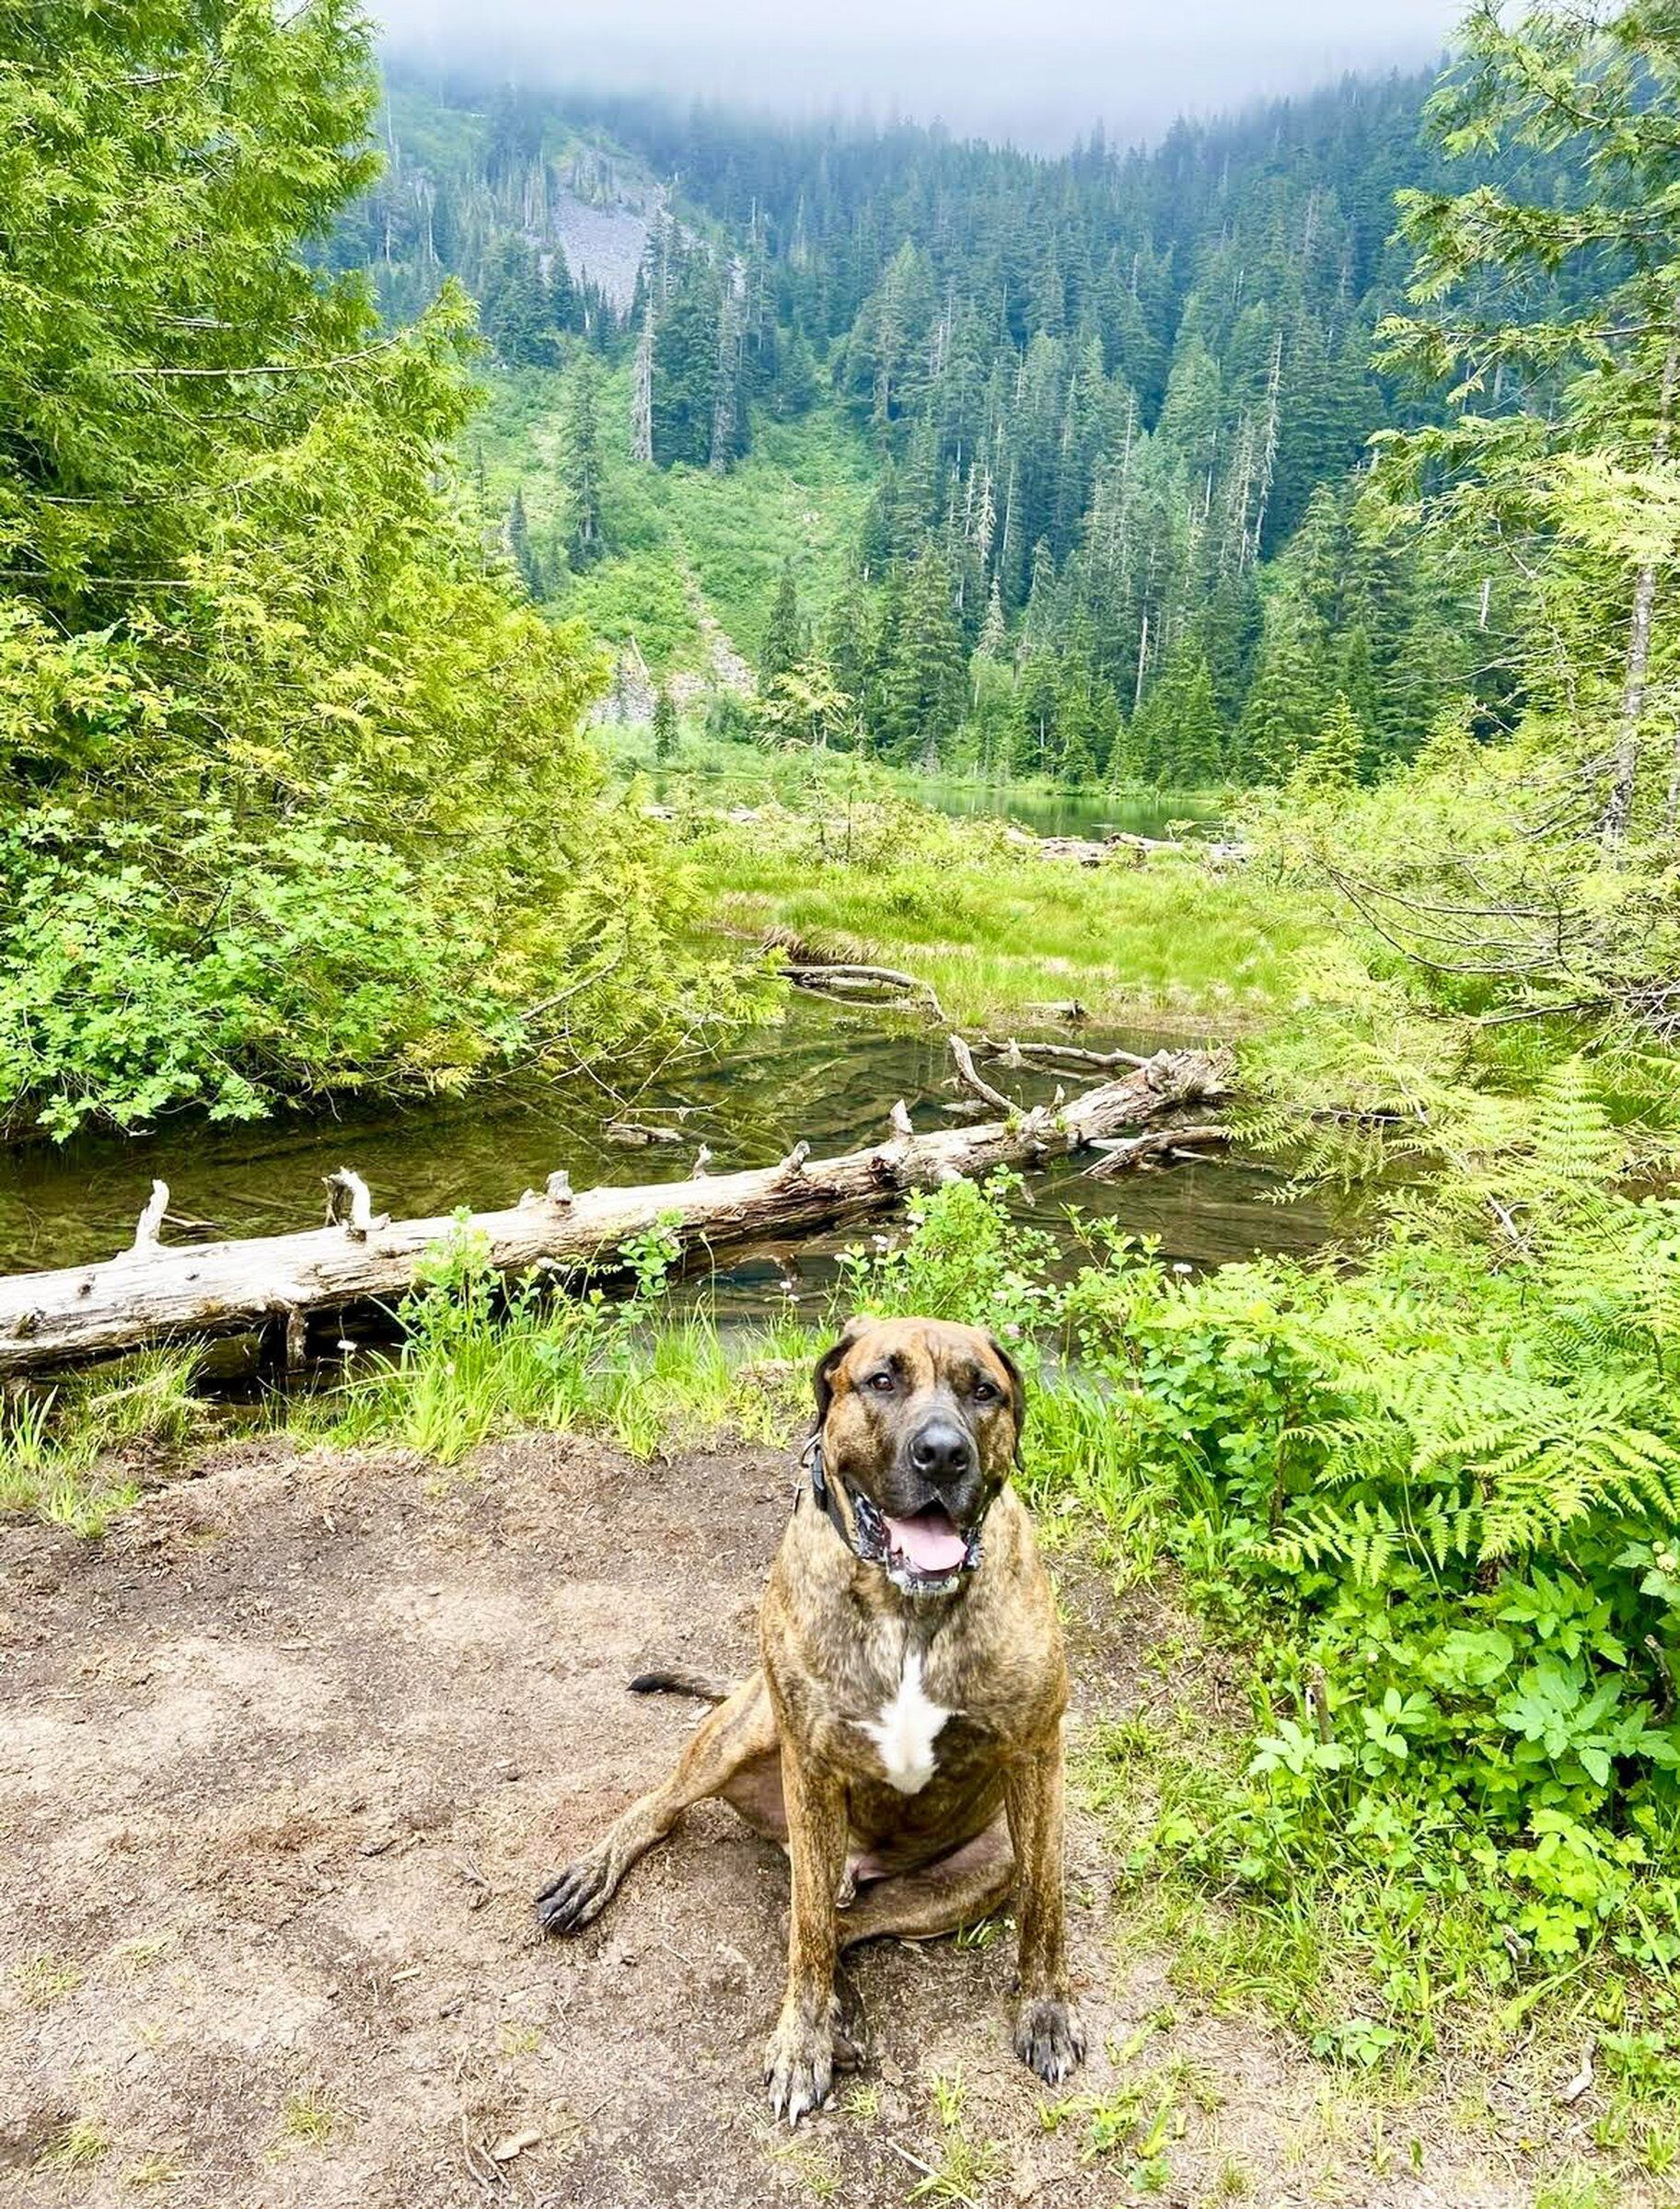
{"points": [[1111, 412]]}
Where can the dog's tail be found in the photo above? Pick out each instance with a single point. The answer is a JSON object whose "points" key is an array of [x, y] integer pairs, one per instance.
{"points": [[675, 1682]]}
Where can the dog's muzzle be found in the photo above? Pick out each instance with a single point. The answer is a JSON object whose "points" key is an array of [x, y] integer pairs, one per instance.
{"points": [[925, 1554]]}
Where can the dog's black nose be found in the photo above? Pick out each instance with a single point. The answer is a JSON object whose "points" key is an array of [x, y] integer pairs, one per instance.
{"points": [[941, 1450]]}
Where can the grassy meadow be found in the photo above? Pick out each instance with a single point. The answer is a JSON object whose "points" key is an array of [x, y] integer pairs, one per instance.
{"points": [[1002, 935]]}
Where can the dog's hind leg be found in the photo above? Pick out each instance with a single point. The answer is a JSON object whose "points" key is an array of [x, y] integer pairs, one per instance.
{"points": [[723, 1758], [957, 1891]]}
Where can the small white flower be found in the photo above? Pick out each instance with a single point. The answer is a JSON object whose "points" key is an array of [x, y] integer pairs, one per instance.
{"points": [[1180, 1266]]}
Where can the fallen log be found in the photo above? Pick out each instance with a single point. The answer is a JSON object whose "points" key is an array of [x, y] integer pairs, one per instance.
{"points": [[635, 1134], [158, 1293], [837, 978]]}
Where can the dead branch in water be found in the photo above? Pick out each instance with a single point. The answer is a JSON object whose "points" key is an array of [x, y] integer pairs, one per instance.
{"points": [[174, 1292], [1063, 1058], [1120, 1156]]}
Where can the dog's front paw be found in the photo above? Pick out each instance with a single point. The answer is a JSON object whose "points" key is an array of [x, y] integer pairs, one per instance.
{"points": [[579, 1895], [1049, 2038], [799, 2066]]}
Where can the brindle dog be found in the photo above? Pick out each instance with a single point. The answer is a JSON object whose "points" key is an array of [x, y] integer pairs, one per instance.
{"points": [[902, 1735]]}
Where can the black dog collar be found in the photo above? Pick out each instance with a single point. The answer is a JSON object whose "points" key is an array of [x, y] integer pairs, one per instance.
{"points": [[870, 1544]]}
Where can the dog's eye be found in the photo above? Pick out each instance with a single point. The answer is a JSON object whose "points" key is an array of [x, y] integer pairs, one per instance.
{"points": [[881, 1383], [988, 1392]]}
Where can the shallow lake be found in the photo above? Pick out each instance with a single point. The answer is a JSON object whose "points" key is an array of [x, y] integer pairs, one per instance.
{"points": [[1044, 811]]}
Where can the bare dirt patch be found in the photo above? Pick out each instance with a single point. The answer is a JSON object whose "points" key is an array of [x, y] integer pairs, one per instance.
{"points": [[282, 1760]]}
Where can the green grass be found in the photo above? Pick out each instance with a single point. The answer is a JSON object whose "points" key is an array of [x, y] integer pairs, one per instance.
{"points": [[40, 1981], [475, 1365], [310, 2117], [78, 2146], [66, 1450], [965, 2167], [997, 933]]}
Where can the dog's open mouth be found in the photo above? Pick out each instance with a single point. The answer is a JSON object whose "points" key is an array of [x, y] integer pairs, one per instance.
{"points": [[931, 1547]]}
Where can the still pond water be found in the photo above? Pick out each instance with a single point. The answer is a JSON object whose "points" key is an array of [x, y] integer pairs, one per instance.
{"points": [[827, 1075], [1046, 812]]}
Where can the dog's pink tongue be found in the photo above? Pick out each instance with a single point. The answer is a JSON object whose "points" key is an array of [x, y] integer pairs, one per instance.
{"points": [[930, 1542]]}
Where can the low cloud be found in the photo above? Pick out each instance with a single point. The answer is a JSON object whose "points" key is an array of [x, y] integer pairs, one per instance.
{"points": [[1041, 74]]}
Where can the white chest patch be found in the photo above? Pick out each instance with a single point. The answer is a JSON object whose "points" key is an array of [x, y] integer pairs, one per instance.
{"points": [[906, 1730]]}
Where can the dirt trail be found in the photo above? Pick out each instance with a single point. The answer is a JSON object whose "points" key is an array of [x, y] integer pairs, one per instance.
{"points": [[282, 1761]]}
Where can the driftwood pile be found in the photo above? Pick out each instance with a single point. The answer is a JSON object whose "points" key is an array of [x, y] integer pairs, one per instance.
{"points": [[156, 1292]]}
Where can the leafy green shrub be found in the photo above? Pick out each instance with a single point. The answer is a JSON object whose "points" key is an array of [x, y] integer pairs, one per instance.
{"points": [[963, 1259], [293, 793]]}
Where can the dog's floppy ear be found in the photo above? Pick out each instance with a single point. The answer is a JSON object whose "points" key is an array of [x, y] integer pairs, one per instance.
{"points": [[823, 1379], [1017, 1389]]}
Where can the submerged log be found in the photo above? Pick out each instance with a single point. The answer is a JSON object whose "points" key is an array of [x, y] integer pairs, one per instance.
{"points": [[175, 1292], [843, 978]]}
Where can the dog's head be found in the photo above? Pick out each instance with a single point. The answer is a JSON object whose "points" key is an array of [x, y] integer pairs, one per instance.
{"points": [[922, 1418]]}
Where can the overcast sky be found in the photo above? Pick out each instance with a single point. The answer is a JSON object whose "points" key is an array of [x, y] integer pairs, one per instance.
{"points": [[1038, 71]]}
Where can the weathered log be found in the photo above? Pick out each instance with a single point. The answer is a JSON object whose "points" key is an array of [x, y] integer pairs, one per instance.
{"points": [[192, 1289], [846, 978]]}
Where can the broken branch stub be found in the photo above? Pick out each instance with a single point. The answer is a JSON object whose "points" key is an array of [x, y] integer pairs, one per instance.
{"points": [[149, 1227], [350, 1206]]}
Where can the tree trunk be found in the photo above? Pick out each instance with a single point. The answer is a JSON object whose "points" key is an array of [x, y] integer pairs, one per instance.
{"points": [[154, 1294], [1625, 762]]}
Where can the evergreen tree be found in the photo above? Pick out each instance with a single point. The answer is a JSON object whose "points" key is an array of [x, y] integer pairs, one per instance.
{"points": [[520, 548], [993, 630], [923, 687], [586, 538], [794, 391], [1286, 702], [516, 310], [843, 641], [1335, 759], [1199, 734], [665, 725], [563, 307], [784, 637], [685, 365], [1556, 487], [1038, 717]]}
